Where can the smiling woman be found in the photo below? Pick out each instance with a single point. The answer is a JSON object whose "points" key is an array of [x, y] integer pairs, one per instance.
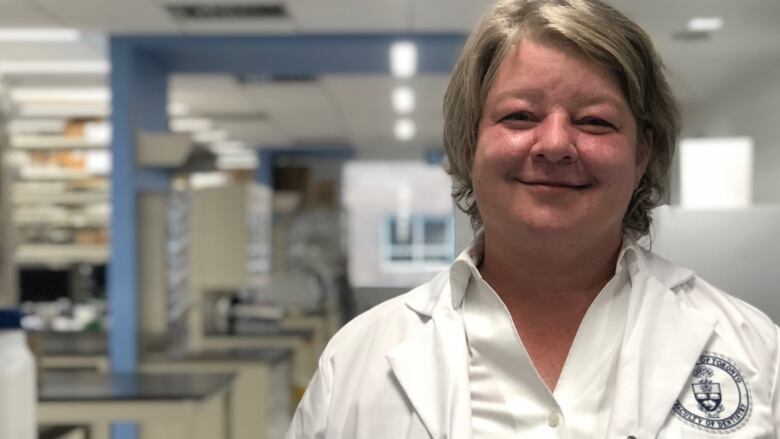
{"points": [[559, 129], [558, 149]]}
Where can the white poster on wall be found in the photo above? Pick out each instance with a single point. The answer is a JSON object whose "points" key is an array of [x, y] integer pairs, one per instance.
{"points": [[716, 172]]}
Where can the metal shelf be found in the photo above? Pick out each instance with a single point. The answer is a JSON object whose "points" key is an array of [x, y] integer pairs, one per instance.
{"points": [[77, 198], [43, 174], [62, 254], [54, 143], [62, 222]]}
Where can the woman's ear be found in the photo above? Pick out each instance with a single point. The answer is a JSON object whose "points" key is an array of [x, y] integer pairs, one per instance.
{"points": [[644, 150]]}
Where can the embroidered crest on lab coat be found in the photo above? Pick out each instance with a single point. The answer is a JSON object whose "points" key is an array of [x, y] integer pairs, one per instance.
{"points": [[717, 399]]}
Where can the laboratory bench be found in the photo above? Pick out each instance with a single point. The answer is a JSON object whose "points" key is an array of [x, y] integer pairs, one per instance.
{"points": [[300, 340], [73, 350], [165, 406], [261, 400]]}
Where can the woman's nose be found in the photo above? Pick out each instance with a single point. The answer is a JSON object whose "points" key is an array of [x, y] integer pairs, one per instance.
{"points": [[555, 141]]}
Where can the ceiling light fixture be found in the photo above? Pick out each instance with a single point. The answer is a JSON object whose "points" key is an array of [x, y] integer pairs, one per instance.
{"points": [[54, 67], [210, 136], [60, 95], [405, 129], [228, 148], [230, 162], [403, 100], [191, 124], [403, 59], [40, 35], [176, 109], [705, 24]]}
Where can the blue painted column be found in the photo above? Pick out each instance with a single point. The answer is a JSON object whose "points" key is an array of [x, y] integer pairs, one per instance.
{"points": [[139, 95], [265, 170]]}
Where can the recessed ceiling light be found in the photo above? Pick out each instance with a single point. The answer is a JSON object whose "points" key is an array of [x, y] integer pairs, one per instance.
{"points": [[405, 129], [176, 109], [210, 136], [191, 124], [705, 24], [40, 35], [403, 100], [54, 67], [227, 148], [244, 161], [403, 59]]}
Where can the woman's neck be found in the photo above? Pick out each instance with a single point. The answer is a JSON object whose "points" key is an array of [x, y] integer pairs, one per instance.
{"points": [[545, 267], [547, 288]]}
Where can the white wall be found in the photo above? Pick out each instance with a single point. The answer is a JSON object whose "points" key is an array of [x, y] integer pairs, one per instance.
{"points": [[747, 107], [734, 249]]}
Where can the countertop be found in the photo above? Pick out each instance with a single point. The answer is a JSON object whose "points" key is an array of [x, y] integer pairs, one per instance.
{"points": [[271, 355], [93, 386]]}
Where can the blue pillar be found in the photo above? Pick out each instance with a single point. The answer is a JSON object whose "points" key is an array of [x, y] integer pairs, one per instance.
{"points": [[139, 102], [265, 171]]}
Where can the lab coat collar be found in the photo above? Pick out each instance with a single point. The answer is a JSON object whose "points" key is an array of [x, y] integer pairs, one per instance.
{"points": [[432, 296], [664, 338], [431, 367]]}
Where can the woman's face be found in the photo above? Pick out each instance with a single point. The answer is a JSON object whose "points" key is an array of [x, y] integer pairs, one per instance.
{"points": [[557, 149]]}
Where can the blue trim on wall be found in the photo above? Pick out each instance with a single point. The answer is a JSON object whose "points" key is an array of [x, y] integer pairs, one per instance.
{"points": [[296, 55], [268, 157]]}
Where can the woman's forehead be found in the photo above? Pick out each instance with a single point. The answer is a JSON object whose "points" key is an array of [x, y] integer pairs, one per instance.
{"points": [[531, 70]]}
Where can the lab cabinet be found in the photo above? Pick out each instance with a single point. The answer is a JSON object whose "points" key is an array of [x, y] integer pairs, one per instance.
{"points": [[195, 242], [230, 236]]}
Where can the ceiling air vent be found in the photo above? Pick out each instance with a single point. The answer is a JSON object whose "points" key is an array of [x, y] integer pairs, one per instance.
{"points": [[253, 78], [226, 11], [691, 36]]}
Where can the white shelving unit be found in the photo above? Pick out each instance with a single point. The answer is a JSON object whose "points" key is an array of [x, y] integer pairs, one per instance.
{"points": [[32, 143], [228, 236], [60, 254], [59, 205], [64, 198]]}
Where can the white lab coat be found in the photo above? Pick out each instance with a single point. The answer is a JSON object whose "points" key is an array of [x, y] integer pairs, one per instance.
{"points": [[400, 370]]}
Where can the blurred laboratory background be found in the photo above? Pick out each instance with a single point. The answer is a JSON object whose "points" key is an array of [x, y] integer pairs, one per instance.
{"points": [[196, 194]]}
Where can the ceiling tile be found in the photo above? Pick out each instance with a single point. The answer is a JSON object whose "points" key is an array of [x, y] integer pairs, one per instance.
{"points": [[19, 13], [350, 15], [116, 16]]}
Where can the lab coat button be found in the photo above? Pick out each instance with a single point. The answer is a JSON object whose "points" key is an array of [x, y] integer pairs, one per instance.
{"points": [[553, 420]]}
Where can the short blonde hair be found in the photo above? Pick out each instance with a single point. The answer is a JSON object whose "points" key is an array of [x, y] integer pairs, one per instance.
{"points": [[588, 26]]}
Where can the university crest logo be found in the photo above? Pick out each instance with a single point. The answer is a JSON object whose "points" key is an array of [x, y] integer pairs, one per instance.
{"points": [[717, 399]]}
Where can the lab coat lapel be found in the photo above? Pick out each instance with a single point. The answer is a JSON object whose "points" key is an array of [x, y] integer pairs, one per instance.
{"points": [[664, 340], [432, 369]]}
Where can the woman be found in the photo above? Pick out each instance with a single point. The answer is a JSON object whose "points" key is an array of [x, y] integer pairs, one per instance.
{"points": [[559, 129]]}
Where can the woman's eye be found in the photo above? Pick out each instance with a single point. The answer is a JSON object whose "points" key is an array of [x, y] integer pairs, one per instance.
{"points": [[519, 118], [596, 123]]}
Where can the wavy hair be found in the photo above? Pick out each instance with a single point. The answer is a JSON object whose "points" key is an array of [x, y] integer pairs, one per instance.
{"points": [[601, 33]]}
